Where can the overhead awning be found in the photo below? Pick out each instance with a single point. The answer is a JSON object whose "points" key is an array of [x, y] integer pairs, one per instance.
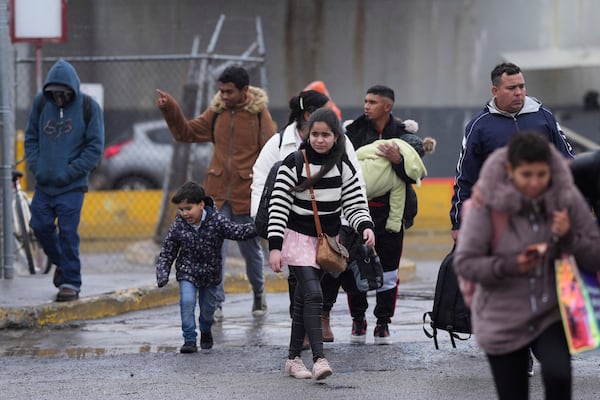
{"points": [[554, 58]]}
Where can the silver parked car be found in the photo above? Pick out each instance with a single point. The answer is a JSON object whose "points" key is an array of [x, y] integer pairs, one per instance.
{"points": [[141, 158]]}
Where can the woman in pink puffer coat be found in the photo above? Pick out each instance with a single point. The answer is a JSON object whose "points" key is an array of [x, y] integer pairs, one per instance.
{"points": [[515, 304]]}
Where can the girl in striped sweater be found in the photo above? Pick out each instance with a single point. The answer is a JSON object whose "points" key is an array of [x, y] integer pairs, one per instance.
{"points": [[293, 235]]}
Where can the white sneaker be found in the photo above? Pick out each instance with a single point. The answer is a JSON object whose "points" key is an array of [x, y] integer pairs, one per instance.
{"points": [[218, 317], [321, 369], [297, 369]]}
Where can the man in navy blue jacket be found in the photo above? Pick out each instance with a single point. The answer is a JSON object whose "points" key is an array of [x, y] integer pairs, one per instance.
{"points": [[509, 111], [62, 146]]}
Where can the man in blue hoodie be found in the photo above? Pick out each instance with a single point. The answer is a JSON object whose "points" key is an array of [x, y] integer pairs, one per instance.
{"points": [[64, 141]]}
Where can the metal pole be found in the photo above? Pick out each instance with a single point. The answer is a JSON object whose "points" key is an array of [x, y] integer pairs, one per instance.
{"points": [[38, 65], [261, 53], [178, 171], [204, 64], [7, 133]]}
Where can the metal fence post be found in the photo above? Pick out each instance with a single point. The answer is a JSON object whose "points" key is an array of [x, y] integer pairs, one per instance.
{"points": [[7, 133]]}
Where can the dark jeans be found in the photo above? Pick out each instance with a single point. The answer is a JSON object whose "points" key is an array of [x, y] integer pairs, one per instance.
{"points": [[385, 305], [550, 348], [306, 317], [61, 243], [388, 246]]}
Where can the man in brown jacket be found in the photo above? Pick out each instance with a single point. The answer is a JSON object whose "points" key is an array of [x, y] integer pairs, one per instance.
{"points": [[239, 124]]}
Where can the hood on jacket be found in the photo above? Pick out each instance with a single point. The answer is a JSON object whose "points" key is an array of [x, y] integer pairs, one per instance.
{"points": [[501, 194], [62, 73], [256, 101], [530, 105]]}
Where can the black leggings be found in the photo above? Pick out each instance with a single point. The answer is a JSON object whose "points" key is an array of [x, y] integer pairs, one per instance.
{"points": [[306, 318], [550, 348]]}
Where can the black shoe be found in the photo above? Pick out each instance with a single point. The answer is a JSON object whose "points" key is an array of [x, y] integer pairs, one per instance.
{"points": [[67, 294], [206, 340], [259, 306], [189, 347], [359, 331], [382, 334], [56, 280]]}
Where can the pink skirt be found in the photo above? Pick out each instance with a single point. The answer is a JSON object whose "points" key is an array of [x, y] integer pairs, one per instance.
{"points": [[299, 249]]}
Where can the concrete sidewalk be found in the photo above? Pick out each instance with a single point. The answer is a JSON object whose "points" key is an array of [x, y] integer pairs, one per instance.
{"points": [[27, 301]]}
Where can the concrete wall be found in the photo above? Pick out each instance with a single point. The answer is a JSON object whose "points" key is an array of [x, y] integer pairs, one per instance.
{"points": [[435, 53]]}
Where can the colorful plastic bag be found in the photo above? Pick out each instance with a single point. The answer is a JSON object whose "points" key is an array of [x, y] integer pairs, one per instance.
{"points": [[578, 292]]}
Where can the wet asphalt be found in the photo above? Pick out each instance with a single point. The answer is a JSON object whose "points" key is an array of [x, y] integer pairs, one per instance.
{"points": [[135, 354]]}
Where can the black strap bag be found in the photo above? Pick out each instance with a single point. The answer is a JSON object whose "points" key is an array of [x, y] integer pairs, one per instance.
{"points": [[449, 310], [367, 269]]}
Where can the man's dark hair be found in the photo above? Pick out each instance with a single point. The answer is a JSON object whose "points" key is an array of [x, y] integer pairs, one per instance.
{"points": [[504, 68], [191, 192], [528, 147], [236, 75], [383, 91]]}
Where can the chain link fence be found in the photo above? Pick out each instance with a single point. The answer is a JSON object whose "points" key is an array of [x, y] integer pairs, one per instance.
{"points": [[119, 226]]}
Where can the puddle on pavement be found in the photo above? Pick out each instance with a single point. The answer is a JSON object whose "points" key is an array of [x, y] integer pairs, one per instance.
{"points": [[82, 352]]}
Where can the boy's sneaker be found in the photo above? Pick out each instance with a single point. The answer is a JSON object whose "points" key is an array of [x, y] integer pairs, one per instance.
{"points": [[189, 347], [218, 317], [206, 340], [321, 369], [296, 368], [359, 331], [259, 306], [382, 334]]}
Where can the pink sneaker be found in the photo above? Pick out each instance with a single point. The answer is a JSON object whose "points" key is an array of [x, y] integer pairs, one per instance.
{"points": [[297, 369], [321, 369]]}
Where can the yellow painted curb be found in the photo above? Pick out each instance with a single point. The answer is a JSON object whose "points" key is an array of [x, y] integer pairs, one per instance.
{"points": [[407, 271], [134, 299], [93, 307]]}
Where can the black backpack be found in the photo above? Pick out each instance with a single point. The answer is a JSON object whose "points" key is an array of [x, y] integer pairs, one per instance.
{"points": [[449, 310], [261, 220]]}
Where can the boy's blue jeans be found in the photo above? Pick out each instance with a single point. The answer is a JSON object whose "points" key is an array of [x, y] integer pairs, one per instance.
{"points": [[252, 252], [207, 300], [55, 221]]}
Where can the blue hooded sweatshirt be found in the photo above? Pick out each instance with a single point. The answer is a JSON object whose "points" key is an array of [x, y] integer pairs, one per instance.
{"points": [[61, 150]]}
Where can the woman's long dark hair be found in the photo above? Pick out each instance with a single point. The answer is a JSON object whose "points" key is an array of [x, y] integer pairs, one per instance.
{"points": [[306, 101], [336, 153]]}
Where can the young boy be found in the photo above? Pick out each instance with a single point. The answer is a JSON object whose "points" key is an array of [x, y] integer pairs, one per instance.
{"points": [[194, 242]]}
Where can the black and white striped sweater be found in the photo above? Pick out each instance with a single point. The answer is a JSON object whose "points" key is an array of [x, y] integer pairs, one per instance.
{"points": [[336, 192]]}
